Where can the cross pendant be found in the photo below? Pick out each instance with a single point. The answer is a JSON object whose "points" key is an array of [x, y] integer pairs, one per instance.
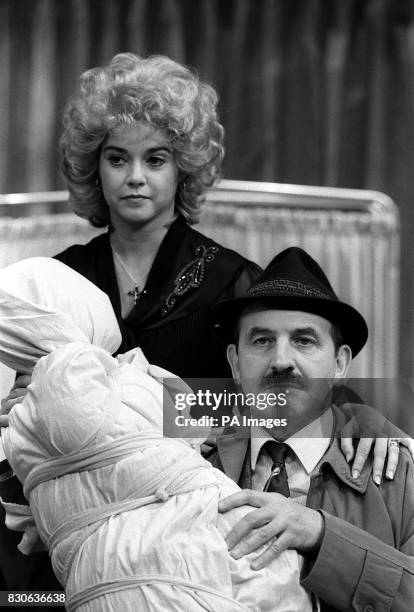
{"points": [[135, 292]]}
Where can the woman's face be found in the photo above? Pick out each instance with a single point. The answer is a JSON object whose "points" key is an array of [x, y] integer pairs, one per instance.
{"points": [[139, 176]]}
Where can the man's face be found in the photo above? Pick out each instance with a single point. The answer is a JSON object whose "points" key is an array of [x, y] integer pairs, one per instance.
{"points": [[292, 353]]}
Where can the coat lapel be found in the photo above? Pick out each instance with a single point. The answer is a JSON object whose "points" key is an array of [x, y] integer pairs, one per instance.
{"points": [[234, 457]]}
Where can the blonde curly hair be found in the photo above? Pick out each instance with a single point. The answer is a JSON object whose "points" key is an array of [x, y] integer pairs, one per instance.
{"points": [[166, 94]]}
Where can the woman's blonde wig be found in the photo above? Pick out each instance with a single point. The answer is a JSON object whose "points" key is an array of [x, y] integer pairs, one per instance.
{"points": [[160, 91]]}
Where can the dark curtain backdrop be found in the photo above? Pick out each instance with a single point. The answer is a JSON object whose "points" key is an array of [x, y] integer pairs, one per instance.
{"points": [[312, 91]]}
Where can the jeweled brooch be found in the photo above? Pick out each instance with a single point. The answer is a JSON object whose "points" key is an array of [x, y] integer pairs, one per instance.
{"points": [[190, 277]]}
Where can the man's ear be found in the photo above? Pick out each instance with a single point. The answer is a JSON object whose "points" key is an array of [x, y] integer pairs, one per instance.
{"points": [[233, 359], [343, 360]]}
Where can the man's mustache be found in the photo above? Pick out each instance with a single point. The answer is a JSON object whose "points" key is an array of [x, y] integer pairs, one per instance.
{"points": [[284, 378]]}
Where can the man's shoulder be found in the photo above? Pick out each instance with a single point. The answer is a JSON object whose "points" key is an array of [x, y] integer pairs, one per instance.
{"points": [[225, 255], [405, 463]]}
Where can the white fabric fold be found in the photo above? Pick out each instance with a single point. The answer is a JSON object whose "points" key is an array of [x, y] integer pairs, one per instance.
{"points": [[43, 305]]}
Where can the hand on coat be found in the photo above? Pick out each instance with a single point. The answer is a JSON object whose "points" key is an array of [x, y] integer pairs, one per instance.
{"points": [[277, 520], [372, 429]]}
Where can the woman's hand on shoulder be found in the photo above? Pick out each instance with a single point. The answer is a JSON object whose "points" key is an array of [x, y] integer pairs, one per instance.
{"points": [[368, 429], [15, 396]]}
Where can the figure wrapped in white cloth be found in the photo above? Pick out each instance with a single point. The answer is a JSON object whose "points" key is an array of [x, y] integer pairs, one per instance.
{"points": [[130, 518]]}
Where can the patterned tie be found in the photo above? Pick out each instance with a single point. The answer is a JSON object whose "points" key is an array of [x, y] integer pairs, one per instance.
{"points": [[278, 481]]}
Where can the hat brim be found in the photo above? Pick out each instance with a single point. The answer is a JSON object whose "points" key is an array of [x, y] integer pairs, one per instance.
{"points": [[352, 325]]}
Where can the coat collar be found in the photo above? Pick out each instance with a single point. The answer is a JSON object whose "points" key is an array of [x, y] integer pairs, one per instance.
{"points": [[336, 460]]}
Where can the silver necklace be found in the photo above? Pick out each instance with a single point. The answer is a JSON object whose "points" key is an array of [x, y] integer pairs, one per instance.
{"points": [[135, 292]]}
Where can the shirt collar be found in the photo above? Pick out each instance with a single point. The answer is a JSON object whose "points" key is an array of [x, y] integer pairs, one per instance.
{"points": [[309, 444]]}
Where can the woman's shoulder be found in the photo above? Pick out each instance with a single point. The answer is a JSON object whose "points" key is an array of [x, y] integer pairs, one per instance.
{"points": [[224, 257], [80, 250], [82, 256]]}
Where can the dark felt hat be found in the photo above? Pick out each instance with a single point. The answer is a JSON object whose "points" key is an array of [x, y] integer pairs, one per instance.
{"points": [[295, 281]]}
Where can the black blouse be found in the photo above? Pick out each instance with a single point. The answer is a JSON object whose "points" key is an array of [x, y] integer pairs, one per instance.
{"points": [[171, 320]]}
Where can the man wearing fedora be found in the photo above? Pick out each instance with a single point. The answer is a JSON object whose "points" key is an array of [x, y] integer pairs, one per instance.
{"points": [[290, 334]]}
